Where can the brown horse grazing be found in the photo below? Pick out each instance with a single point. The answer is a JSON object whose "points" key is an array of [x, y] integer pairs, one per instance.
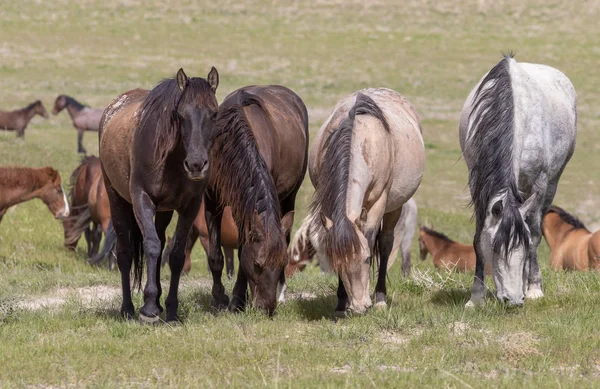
{"points": [[19, 184], [229, 240], [572, 245], [447, 254], [89, 205], [258, 163], [84, 118], [154, 149], [18, 119]]}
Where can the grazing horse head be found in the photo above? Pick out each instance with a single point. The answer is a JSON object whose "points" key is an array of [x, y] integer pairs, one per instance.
{"points": [[423, 250], [39, 109], [53, 195]]}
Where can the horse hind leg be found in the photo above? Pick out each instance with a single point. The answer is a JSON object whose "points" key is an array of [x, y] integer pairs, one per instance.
{"points": [[229, 260], [213, 214], [80, 148]]}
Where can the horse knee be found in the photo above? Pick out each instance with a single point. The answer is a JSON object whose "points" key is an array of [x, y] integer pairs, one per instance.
{"points": [[152, 249]]}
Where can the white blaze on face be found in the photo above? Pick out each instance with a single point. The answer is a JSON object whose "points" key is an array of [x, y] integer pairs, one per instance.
{"points": [[66, 211], [281, 292]]}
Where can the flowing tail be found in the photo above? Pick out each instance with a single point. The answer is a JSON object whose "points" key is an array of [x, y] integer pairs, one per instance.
{"points": [[109, 244]]}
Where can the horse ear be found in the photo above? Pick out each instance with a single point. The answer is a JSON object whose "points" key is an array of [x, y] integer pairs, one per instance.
{"points": [[287, 222], [51, 173], [325, 221], [257, 226], [182, 80], [527, 206], [213, 79]]}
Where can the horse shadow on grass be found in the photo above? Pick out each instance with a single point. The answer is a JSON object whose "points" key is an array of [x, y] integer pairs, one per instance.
{"points": [[313, 309], [451, 296]]}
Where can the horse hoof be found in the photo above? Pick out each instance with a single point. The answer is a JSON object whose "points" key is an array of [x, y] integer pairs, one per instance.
{"points": [[340, 315], [380, 305], [149, 320], [220, 304], [471, 304], [534, 294], [174, 322]]}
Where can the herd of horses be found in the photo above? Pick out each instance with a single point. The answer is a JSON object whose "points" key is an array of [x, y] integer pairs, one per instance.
{"points": [[232, 171]]}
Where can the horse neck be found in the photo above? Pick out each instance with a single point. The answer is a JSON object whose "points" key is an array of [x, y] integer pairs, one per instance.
{"points": [[556, 231], [24, 186], [29, 113]]}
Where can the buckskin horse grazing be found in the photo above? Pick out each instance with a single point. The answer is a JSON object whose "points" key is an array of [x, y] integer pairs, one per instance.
{"points": [[89, 205], [19, 184], [84, 118], [18, 119], [446, 254], [572, 245], [154, 150], [365, 163], [229, 240], [302, 250], [258, 163], [517, 133]]}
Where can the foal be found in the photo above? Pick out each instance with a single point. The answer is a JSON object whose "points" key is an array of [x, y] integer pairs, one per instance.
{"points": [[19, 184], [446, 253], [572, 245], [18, 119]]}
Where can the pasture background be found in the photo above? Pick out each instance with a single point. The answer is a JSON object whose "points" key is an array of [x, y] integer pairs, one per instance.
{"points": [[433, 52]]}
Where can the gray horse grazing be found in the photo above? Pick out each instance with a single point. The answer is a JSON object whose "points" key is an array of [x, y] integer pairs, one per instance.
{"points": [[517, 133], [84, 118], [367, 160]]}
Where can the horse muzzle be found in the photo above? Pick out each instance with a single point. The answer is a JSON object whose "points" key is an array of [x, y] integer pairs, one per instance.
{"points": [[194, 173]]}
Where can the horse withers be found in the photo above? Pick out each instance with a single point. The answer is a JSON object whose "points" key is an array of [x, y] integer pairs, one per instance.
{"points": [[258, 163], [84, 118], [366, 162], [154, 151], [572, 245], [19, 184], [517, 133], [18, 119]]}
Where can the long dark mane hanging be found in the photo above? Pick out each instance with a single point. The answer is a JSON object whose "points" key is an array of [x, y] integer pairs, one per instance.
{"points": [[71, 102], [158, 120], [437, 234], [492, 127], [568, 218], [242, 179], [332, 187]]}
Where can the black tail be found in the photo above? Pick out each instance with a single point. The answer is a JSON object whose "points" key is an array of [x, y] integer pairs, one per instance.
{"points": [[109, 244], [82, 223], [138, 253]]}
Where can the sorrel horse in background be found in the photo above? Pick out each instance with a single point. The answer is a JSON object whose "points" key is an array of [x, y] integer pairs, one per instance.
{"points": [[154, 150], [446, 254], [18, 119], [258, 163], [84, 118], [517, 133], [572, 245], [19, 184], [302, 251], [89, 205], [229, 240], [366, 162]]}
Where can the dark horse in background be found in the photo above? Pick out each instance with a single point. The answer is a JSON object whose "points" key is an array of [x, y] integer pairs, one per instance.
{"points": [[84, 118], [154, 150], [258, 162], [18, 119], [90, 210]]}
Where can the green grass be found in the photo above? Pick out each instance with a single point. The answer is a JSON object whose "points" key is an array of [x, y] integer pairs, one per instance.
{"points": [[431, 51]]}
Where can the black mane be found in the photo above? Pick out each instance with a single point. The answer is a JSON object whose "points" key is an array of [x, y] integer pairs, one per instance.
{"points": [[71, 102], [437, 234], [331, 192], [31, 105], [492, 119], [567, 218], [157, 119]]}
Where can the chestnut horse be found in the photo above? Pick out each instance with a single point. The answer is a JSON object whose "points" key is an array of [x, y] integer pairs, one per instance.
{"points": [[446, 253], [18, 119], [229, 240], [258, 163], [365, 163], [154, 150], [89, 205], [572, 245], [19, 184], [83, 117]]}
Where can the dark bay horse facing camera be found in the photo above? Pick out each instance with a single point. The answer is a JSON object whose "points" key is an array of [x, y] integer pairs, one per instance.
{"points": [[154, 150], [18, 119], [19, 184], [84, 118], [258, 162]]}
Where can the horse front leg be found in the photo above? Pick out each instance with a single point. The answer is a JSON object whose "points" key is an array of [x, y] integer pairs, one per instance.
{"points": [[534, 275], [161, 222], [478, 288], [389, 240], [186, 217], [145, 210], [213, 214], [80, 148]]}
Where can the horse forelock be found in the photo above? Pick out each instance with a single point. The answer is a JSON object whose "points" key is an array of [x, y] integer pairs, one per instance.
{"points": [[242, 180], [512, 230], [156, 119]]}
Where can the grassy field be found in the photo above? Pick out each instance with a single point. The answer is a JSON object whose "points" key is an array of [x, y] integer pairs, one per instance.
{"points": [[59, 322]]}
